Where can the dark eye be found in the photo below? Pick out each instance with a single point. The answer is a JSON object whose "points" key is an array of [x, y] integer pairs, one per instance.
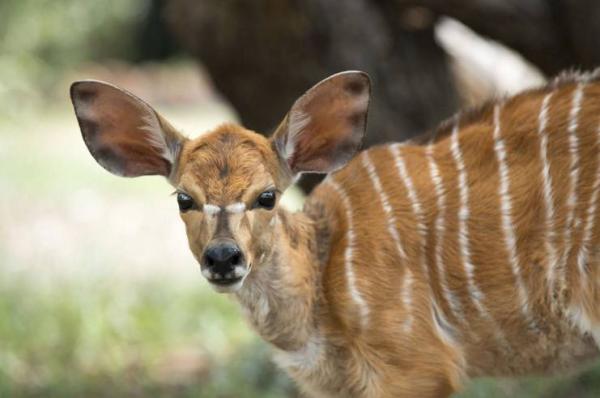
{"points": [[184, 201], [266, 200]]}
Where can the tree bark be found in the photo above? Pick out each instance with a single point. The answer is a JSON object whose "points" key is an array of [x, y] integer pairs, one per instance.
{"points": [[552, 34], [263, 54]]}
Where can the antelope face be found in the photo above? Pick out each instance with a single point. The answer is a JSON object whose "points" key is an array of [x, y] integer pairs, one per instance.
{"points": [[228, 182], [228, 188]]}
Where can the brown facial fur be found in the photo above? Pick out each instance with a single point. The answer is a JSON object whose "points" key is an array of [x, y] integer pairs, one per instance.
{"points": [[229, 165]]}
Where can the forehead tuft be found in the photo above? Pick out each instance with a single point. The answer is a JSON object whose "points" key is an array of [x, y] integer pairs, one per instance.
{"points": [[224, 162]]}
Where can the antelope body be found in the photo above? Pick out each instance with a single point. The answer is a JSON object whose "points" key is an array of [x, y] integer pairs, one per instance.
{"points": [[412, 266]]}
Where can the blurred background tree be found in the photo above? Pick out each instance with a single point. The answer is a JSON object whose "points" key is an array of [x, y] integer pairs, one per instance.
{"points": [[89, 313], [262, 54]]}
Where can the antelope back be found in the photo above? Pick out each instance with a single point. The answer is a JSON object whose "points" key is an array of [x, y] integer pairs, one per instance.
{"points": [[476, 252]]}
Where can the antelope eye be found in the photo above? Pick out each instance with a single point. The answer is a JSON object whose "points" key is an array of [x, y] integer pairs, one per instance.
{"points": [[184, 201], [266, 200]]}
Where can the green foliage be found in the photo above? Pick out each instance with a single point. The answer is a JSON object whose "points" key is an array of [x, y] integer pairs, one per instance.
{"points": [[102, 338], [40, 39]]}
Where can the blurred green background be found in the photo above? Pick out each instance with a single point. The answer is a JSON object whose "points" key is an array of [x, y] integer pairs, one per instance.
{"points": [[99, 296]]}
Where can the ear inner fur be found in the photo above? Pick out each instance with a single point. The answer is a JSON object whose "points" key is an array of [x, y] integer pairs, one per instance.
{"points": [[325, 126], [123, 133]]}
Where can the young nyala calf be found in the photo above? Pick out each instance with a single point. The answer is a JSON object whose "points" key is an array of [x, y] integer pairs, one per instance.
{"points": [[412, 267]]}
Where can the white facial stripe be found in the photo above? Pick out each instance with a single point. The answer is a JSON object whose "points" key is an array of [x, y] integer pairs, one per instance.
{"points": [[210, 209], [238, 207]]}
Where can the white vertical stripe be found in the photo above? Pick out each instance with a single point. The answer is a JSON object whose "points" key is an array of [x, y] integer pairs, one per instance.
{"points": [[407, 295], [463, 236], [574, 174], [547, 185], [348, 256], [391, 227], [506, 216], [579, 315], [440, 228], [582, 256], [438, 318]]}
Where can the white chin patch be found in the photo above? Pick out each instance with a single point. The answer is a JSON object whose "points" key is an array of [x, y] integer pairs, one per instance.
{"points": [[219, 283], [228, 288]]}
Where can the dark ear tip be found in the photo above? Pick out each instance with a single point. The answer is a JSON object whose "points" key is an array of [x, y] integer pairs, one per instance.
{"points": [[82, 91], [74, 89], [86, 90], [357, 82]]}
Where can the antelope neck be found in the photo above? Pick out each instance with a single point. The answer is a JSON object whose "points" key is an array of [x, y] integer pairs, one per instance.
{"points": [[279, 297]]}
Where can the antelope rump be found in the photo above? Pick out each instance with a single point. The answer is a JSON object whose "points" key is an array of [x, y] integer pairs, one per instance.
{"points": [[412, 266]]}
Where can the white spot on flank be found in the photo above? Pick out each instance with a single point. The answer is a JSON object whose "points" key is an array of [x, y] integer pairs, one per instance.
{"points": [[210, 210], [463, 236], [547, 184], [238, 207], [574, 167], [391, 226], [348, 255], [440, 228], [506, 216]]}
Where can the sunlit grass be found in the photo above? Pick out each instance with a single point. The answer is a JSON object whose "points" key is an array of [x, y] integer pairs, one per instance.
{"points": [[110, 338]]}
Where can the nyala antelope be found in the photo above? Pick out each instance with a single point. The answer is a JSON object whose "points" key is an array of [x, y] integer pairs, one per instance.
{"points": [[412, 266]]}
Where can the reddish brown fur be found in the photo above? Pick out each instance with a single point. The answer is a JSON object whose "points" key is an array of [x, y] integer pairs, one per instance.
{"points": [[300, 296]]}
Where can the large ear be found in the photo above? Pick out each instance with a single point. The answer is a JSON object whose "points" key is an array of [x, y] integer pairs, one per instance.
{"points": [[325, 126], [123, 133]]}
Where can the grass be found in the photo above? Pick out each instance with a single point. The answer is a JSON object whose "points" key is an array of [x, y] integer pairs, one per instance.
{"points": [[105, 338]]}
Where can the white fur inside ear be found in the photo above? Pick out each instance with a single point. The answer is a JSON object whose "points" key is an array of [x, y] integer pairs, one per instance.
{"points": [[156, 137], [362, 102], [297, 122]]}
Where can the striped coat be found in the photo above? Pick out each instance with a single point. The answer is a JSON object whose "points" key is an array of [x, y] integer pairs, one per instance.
{"points": [[412, 267], [475, 253]]}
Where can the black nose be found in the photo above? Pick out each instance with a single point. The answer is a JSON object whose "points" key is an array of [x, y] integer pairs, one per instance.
{"points": [[222, 257]]}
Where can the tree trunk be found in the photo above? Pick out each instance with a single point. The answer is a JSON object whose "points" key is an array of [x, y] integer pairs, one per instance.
{"points": [[552, 34], [263, 54]]}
